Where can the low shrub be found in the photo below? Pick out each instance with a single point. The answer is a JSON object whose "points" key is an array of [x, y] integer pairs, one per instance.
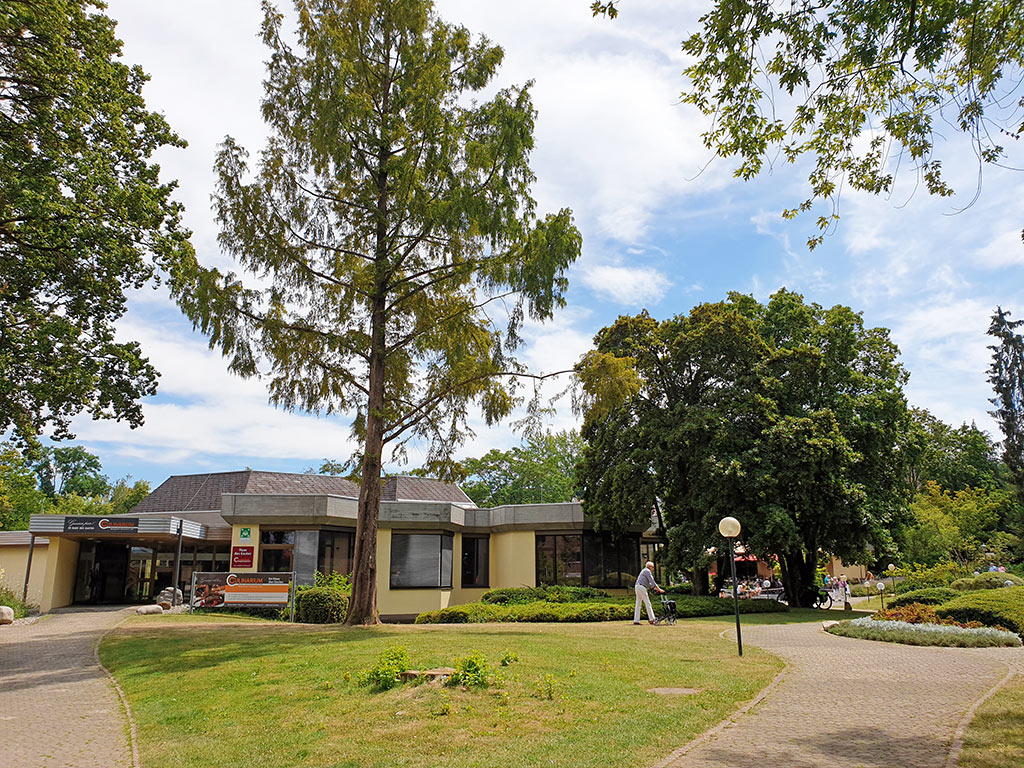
{"points": [[989, 580], [13, 601], [321, 605], [914, 613], [391, 663], [922, 577], [925, 634], [621, 610], [680, 589], [992, 607], [555, 594], [862, 590], [930, 596], [471, 671]]}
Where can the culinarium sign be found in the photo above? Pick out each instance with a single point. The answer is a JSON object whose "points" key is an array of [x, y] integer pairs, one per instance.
{"points": [[241, 590], [101, 525]]}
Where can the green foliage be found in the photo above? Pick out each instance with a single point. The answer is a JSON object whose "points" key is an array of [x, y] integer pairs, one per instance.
{"points": [[84, 218], [545, 687], [19, 497], [787, 416], [71, 469], [853, 84], [389, 212], [552, 594], [922, 577], [952, 526], [1006, 375], [542, 469], [12, 600], [320, 605], [471, 671], [992, 607], [384, 675], [928, 596], [509, 658], [953, 458], [333, 580], [993, 580], [611, 610], [124, 496]]}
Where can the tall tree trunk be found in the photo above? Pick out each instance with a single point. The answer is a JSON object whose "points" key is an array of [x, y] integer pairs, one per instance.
{"points": [[797, 576], [700, 580], [362, 607]]}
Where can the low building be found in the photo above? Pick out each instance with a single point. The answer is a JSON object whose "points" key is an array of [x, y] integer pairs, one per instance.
{"points": [[435, 548]]}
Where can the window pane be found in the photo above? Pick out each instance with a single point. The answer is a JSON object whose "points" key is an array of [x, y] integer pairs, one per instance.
{"points": [[570, 560], [545, 560], [416, 560], [277, 537], [475, 561], [593, 560], [276, 560], [447, 545]]}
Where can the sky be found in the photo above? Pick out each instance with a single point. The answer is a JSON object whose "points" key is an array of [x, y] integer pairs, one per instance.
{"points": [[665, 226]]}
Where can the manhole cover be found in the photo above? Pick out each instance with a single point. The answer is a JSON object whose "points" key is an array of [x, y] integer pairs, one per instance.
{"points": [[674, 691]]}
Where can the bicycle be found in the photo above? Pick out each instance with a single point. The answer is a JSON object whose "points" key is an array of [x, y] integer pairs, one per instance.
{"points": [[819, 598]]}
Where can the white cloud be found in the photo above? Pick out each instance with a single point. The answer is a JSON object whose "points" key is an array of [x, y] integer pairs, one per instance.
{"points": [[1004, 250], [630, 286]]}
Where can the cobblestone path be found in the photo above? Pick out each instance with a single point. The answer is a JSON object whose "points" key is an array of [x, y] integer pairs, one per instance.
{"points": [[848, 703], [57, 706]]}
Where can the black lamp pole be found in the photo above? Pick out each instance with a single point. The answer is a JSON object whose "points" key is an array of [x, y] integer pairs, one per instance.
{"points": [[735, 597]]}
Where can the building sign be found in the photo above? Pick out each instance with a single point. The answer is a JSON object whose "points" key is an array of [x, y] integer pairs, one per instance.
{"points": [[242, 557], [101, 525], [228, 590], [245, 534]]}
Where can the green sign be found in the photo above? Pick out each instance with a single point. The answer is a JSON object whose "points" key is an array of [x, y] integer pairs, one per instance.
{"points": [[244, 533]]}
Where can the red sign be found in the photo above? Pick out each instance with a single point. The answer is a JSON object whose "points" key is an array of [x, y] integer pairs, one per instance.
{"points": [[242, 557]]}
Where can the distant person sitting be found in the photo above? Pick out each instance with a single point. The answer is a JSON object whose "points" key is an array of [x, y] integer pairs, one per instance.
{"points": [[644, 582]]}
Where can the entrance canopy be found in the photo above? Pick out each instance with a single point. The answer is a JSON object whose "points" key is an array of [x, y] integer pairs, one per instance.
{"points": [[117, 527]]}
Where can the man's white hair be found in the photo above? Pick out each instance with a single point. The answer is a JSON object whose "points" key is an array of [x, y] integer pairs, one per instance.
{"points": [[649, 564]]}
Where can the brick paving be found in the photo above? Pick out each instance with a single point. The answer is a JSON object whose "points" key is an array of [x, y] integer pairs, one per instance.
{"points": [[848, 703], [57, 705]]}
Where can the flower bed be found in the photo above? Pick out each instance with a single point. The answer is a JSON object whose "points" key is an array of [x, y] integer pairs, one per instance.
{"points": [[866, 628]]}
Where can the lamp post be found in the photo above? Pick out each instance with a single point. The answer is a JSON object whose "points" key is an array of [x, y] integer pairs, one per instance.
{"points": [[892, 575], [881, 593], [729, 527]]}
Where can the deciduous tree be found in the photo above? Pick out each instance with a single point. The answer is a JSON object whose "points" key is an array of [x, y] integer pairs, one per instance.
{"points": [[1006, 374], [390, 218], [84, 217], [542, 469]]}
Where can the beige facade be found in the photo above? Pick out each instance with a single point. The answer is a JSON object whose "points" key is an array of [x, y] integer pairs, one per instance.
{"points": [[14, 559]]}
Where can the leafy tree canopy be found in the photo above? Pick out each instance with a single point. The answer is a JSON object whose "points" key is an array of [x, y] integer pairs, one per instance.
{"points": [[390, 218], [953, 458], [1006, 374], [83, 217], [542, 469], [859, 87], [67, 470], [19, 496], [785, 415], [953, 526]]}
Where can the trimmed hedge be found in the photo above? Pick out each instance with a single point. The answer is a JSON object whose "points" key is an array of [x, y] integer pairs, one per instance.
{"points": [[686, 607], [930, 596], [989, 580], [992, 607], [321, 605], [556, 594]]}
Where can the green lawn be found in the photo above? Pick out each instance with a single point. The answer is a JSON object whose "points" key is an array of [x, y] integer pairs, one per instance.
{"points": [[208, 692], [995, 738]]}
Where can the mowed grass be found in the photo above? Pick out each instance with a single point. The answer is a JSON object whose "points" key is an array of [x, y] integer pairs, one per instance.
{"points": [[218, 692], [995, 737]]}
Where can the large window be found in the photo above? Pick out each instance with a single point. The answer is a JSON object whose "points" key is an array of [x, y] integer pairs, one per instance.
{"points": [[475, 561], [589, 559], [335, 553], [276, 550], [421, 560]]}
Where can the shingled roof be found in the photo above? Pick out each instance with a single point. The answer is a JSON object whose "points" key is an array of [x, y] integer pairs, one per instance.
{"points": [[189, 493], [407, 488], [197, 493]]}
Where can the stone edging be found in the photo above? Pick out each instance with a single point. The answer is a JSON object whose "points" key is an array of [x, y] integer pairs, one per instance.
{"points": [[127, 710], [961, 728], [716, 729]]}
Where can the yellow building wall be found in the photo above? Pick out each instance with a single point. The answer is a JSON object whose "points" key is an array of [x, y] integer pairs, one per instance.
{"points": [[13, 561], [253, 541], [59, 579], [513, 559]]}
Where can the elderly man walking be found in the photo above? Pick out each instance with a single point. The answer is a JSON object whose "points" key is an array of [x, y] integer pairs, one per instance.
{"points": [[644, 582]]}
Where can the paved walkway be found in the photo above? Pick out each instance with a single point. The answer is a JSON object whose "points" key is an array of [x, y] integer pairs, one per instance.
{"points": [[57, 706], [849, 703]]}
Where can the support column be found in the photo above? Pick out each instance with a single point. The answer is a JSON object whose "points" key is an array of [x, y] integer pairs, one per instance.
{"points": [[61, 568]]}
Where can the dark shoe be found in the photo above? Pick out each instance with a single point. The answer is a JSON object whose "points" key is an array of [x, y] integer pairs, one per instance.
{"points": [[636, 623]]}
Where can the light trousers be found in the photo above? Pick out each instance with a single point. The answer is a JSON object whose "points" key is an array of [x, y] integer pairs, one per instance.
{"points": [[641, 595]]}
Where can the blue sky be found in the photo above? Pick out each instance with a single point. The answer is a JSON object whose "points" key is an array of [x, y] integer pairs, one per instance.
{"points": [[660, 233]]}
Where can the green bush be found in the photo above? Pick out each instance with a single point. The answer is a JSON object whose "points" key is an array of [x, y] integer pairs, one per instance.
{"points": [[391, 663], [471, 671], [680, 589], [923, 577], [556, 594], [13, 601], [321, 605], [989, 580], [618, 610], [992, 607], [930, 596]]}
